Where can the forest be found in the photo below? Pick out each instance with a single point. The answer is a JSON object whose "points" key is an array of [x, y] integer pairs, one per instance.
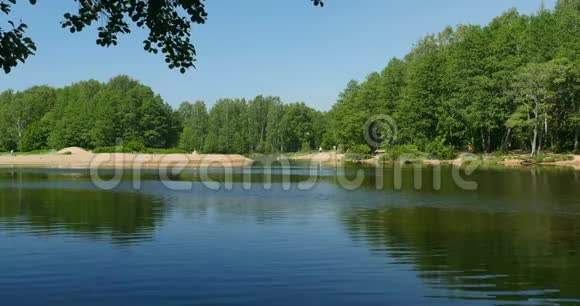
{"points": [[513, 84], [99, 116]]}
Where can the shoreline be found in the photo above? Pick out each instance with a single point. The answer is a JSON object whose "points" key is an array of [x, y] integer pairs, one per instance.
{"points": [[329, 158], [76, 158]]}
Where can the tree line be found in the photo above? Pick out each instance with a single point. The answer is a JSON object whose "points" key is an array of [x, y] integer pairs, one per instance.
{"points": [[512, 84], [91, 114]]}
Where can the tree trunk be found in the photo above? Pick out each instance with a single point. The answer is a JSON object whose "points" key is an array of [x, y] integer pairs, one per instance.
{"points": [[506, 140], [535, 137], [576, 139], [545, 129], [482, 140], [540, 143], [488, 149]]}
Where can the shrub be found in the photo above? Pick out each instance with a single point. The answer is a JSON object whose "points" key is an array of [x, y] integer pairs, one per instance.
{"points": [[136, 149], [440, 150], [358, 152], [360, 149], [167, 151], [108, 150], [402, 151], [134, 146], [33, 138]]}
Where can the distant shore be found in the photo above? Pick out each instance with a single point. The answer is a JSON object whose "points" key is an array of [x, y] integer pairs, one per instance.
{"points": [[78, 158], [331, 158]]}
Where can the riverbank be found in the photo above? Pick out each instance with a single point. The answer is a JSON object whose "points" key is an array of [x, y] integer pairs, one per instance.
{"points": [[322, 157], [78, 158], [489, 160], [573, 162]]}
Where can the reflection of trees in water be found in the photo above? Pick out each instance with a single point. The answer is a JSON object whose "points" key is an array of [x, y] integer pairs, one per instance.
{"points": [[240, 205], [123, 216], [480, 255]]}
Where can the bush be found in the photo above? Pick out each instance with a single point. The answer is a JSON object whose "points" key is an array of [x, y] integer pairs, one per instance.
{"points": [[108, 150], [360, 149], [406, 151], [167, 151], [33, 138], [440, 150], [136, 149], [134, 146], [358, 152]]}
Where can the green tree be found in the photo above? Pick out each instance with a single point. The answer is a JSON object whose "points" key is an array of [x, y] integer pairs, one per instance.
{"points": [[195, 126], [158, 124]]}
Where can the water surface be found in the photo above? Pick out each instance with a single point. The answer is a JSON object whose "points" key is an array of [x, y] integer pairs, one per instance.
{"points": [[513, 241]]}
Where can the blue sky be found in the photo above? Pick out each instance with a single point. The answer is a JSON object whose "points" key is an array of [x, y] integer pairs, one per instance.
{"points": [[286, 48]]}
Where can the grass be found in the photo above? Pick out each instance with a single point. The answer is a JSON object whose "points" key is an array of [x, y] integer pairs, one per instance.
{"points": [[100, 150], [35, 152], [120, 149]]}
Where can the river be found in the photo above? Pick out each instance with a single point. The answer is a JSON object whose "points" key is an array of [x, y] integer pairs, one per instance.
{"points": [[291, 236]]}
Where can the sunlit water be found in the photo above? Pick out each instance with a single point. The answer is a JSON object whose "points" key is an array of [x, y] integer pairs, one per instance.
{"points": [[513, 241]]}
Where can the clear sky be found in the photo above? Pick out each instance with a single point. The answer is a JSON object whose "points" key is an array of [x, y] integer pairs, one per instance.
{"points": [[287, 48]]}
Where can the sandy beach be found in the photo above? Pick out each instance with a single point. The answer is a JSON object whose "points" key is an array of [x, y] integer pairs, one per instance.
{"points": [[326, 157], [78, 158], [323, 157]]}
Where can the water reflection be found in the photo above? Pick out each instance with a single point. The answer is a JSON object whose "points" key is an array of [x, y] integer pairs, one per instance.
{"points": [[474, 255], [122, 217], [513, 241]]}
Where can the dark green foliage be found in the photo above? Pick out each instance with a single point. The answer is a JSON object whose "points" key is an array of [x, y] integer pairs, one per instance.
{"points": [[512, 84], [296, 128], [262, 125], [477, 87], [132, 146], [124, 115], [167, 151], [194, 119], [360, 149], [406, 152], [87, 114], [34, 137], [227, 127], [439, 150], [168, 23], [18, 111]]}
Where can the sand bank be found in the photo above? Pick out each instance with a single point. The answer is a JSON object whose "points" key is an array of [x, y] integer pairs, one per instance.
{"points": [[462, 159], [324, 157], [78, 158]]}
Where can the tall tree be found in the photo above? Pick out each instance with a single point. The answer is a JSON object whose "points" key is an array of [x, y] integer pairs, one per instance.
{"points": [[195, 126]]}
